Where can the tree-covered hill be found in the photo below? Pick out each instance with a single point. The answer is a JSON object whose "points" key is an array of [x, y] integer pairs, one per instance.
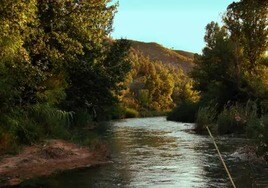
{"points": [[156, 52], [158, 78]]}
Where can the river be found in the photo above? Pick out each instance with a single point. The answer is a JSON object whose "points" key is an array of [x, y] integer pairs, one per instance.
{"points": [[153, 152]]}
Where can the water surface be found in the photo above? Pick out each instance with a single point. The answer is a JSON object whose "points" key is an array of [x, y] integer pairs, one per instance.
{"points": [[152, 152]]}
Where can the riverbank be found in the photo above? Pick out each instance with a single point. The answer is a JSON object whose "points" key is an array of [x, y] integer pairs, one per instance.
{"points": [[46, 158]]}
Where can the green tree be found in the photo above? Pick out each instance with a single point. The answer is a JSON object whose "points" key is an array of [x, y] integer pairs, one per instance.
{"points": [[16, 70], [215, 74], [94, 86], [247, 22], [56, 55]]}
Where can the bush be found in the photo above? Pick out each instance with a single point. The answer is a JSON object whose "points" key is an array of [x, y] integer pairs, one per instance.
{"points": [[19, 124], [54, 122], [263, 137], [82, 118], [117, 112], [30, 124], [235, 118], [205, 117], [226, 122], [131, 113], [151, 113], [257, 128], [184, 112], [253, 127]]}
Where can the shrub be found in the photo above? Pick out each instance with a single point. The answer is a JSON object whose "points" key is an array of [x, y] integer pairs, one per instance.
{"points": [[184, 112], [253, 127], [235, 118], [54, 122], [263, 137], [151, 113], [30, 124], [257, 128], [82, 118], [226, 122], [117, 112], [131, 113], [205, 117]]}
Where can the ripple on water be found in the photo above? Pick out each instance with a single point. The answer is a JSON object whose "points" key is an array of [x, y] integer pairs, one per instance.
{"points": [[152, 152]]}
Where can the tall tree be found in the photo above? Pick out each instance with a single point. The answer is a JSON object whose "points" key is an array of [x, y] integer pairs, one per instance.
{"points": [[16, 70], [230, 67], [247, 22], [214, 73], [51, 47]]}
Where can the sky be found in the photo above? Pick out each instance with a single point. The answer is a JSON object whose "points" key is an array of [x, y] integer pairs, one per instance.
{"points": [[178, 24]]}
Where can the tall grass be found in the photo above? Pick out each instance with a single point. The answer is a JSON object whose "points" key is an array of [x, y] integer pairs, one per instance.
{"points": [[257, 128], [54, 122], [263, 137], [235, 118], [82, 118], [205, 117], [29, 125]]}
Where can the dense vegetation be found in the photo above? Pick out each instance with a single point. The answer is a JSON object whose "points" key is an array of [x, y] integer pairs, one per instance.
{"points": [[152, 87], [57, 67], [59, 70], [231, 74]]}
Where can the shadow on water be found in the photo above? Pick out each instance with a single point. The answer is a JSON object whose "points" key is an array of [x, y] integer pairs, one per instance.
{"points": [[152, 152]]}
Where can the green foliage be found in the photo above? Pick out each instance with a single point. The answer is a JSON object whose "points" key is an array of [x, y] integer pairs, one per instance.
{"points": [[226, 122], [131, 113], [121, 112], [235, 118], [53, 64], [257, 128], [151, 113], [82, 118], [28, 126], [184, 112], [117, 112], [206, 116], [232, 70], [257, 87], [155, 86], [21, 127], [143, 97], [231, 67], [263, 136], [215, 74], [247, 22], [55, 122], [83, 92]]}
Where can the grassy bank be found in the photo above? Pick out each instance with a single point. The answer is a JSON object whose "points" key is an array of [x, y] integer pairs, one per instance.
{"points": [[246, 119], [32, 125]]}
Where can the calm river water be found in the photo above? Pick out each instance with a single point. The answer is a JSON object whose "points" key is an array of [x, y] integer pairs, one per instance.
{"points": [[153, 152]]}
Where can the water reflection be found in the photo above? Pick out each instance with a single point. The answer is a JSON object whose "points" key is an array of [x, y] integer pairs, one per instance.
{"points": [[152, 152]]}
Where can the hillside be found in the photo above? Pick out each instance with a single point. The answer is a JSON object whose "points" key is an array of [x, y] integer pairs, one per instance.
{"points": [[154, 51]]}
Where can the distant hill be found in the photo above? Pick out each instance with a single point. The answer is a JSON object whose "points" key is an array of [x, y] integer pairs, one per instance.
{"points": [[176, 58]]}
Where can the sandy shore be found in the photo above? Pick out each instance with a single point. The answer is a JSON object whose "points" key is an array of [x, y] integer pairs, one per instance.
{"points": [[47, 158]]}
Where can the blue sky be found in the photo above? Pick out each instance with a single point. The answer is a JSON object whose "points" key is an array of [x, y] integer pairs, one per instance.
{"points": [[173, 23]]}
